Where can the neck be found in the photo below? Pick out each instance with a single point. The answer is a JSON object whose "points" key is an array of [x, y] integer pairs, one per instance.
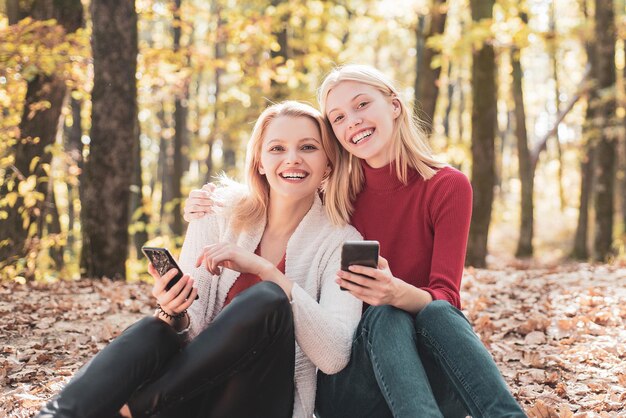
{"points": [[284, 216]]}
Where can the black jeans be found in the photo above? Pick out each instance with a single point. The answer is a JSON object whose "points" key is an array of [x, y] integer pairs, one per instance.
{"points": [[241, 365]]}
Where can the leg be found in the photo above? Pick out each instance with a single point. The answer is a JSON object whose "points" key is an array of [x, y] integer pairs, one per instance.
{"points": [[385, 366], [242, 364], [444, 331], [104, 384]]}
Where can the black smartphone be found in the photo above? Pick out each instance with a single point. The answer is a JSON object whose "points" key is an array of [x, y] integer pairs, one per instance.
{"points": [[163, 261], [362, 253]]}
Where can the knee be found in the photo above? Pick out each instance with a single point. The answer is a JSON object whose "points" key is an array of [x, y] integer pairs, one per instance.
{"points": [[153, 330], [439, 314], [267, 301], [272, 297], [387, 319]]}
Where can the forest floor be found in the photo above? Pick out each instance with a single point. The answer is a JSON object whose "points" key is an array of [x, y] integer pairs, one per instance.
{"points": [[558, 334]]}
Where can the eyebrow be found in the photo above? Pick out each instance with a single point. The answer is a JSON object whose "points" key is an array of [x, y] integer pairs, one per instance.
{"points": [[300, 140], [332, 110]]}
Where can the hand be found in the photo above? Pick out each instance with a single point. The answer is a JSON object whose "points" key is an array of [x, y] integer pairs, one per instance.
{"points": [[200, 202], [380, 288], [232, 257], [178, 298]]}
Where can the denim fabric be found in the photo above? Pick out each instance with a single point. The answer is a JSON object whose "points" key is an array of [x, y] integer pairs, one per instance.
{"points": [[432, 365]]}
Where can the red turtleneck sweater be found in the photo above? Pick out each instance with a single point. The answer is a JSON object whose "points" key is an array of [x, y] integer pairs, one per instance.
{"points": [[422, 226]]}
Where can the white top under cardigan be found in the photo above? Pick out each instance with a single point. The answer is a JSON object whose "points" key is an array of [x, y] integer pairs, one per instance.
{"points": [[324, 316]]}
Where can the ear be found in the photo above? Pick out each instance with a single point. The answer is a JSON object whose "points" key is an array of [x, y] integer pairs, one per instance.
{"points": [[261, 169], [397, 107]]}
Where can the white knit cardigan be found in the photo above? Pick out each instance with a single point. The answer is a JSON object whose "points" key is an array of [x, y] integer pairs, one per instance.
{"points": [[324, 316]]}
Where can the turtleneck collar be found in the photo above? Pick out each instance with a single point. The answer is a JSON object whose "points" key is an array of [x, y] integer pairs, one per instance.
{"points": [[384, 178]]}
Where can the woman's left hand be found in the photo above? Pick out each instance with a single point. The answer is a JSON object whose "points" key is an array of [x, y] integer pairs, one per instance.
{"points": [[379, 288], [232, 257]]}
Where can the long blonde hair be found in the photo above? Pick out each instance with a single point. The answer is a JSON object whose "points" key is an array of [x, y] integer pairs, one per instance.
{"points": [[252, 208], [410, 149]]}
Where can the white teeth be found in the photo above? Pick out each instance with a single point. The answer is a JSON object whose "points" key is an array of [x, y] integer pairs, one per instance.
{"points": [[359, 137], [293, 175]]}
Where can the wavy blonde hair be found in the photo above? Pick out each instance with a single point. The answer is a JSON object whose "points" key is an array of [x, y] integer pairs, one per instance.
{"points": [[252, 208], [410, 149]]}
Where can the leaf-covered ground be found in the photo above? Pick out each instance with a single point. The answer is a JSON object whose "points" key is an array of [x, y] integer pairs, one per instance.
{"points": [[558, 334]]}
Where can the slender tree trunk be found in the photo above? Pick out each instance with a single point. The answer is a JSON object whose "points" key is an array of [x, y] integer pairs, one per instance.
{"points": [[180, 135], [581, 251], [526, 168], [220, 53], [37, 132], [483, 136], [553, 60], [604, 60], [446, 117], [74, 148], [137, 212], [426, 87], [279, 90], [109, 168], [623, 177]]}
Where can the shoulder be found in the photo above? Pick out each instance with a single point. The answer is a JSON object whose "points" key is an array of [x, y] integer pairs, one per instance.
{"points": [[449, 180]]}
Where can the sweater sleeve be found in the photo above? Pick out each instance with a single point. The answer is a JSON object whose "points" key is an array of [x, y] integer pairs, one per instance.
{"points": [[200, 232], [324, 330], [450, 211]]}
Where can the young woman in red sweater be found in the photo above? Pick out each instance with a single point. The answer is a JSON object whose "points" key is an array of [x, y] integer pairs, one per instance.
{"points": [[414, 353]]}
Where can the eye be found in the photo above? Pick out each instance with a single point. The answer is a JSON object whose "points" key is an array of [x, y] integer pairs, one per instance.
{"points": [[277, 148], [361, 105], [309, 147], [337, 118]]}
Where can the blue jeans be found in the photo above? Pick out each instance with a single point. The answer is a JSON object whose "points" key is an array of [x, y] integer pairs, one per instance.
{"points": [[430, 365]]}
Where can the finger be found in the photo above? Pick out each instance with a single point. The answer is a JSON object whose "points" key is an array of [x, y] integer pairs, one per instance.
{"points": [[160, 282], [356, 278], [367, 271], [209, 187], [174, 290], [382, 263], [182, 296], [190, 299]]}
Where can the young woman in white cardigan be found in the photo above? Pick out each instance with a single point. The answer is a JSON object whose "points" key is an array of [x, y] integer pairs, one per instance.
{"points": [[269, 312]]}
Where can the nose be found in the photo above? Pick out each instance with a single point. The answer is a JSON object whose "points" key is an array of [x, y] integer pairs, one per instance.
{"points": [[356, 121], [293, 157]]}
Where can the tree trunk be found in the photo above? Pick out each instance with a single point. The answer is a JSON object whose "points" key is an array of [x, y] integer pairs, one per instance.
{"points": [[180, 135], [581, 251], [74, 149], [526, 168], [137, 211], [37, 132], [220, 53], [604, 61], [279, 90], [109, 168], [552, 47], [483, 136], [426, 87], [446, 117]]}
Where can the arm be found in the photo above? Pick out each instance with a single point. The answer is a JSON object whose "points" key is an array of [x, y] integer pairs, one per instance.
{"points": [[200, 232], [324, 328]]}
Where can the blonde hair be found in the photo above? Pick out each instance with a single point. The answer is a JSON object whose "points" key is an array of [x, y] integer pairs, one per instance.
{"points": [[409, 145], [252, 208]]}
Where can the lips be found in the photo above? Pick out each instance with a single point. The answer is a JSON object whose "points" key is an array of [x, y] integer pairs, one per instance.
{"points": [[361, 135]]}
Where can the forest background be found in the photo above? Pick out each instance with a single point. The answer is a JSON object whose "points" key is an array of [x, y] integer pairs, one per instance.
{"points": [[112, 111]]}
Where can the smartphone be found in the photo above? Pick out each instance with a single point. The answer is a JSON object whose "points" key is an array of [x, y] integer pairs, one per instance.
{"points": [[362, 253], [163, 261]]}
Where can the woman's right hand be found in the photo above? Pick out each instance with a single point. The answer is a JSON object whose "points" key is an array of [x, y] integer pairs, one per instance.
{"points": [[199, 203], [175, 300]]}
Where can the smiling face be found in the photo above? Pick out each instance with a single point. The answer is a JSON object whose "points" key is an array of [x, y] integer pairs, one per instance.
{"points": [[362, 118], [292, 158]]}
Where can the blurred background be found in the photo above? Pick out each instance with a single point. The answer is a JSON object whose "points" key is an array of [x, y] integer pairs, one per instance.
{"points": [[113, 110]]}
